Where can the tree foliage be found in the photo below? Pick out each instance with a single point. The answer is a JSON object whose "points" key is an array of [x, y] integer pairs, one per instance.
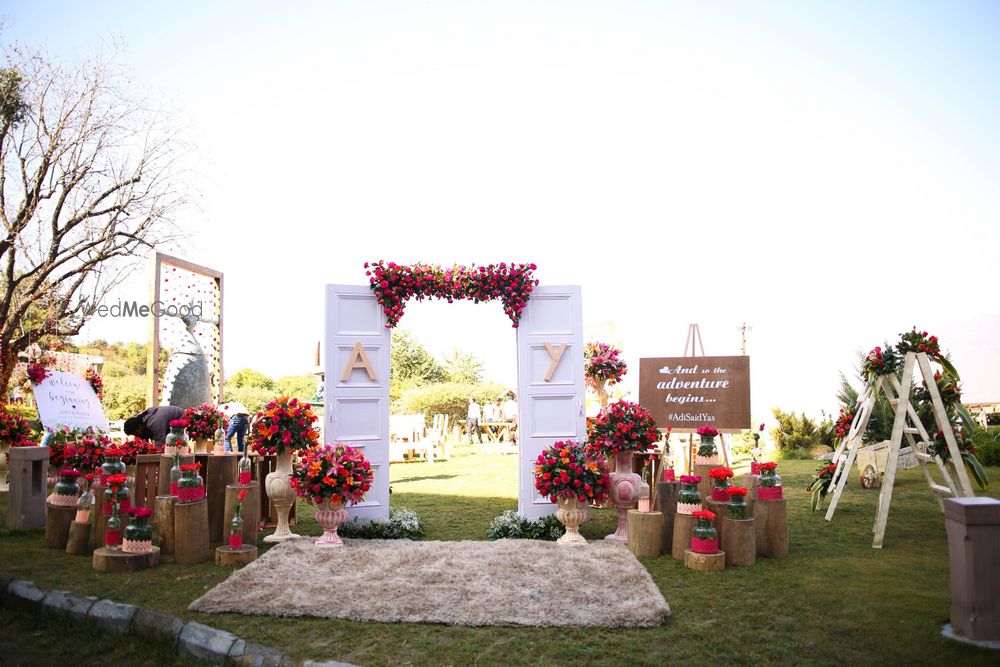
{"points": [[247, 377], [463, 367]]}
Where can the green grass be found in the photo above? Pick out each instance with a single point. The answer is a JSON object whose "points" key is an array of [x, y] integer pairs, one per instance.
{"points": [[834, 599]]}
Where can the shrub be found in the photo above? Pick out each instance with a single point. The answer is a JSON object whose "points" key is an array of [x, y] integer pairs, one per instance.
{"points": [[253, 397], [511, 525], [247, 377], [448, 398], [302, 387], [993, 419], [794, 432], [124, 396], [988, 446], [402, 524]]}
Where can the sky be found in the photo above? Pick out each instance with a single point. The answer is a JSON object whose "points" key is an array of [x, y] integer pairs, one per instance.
{"points": [[826, 173]]}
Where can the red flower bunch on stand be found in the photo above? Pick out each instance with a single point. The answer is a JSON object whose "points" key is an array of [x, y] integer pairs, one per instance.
{"points": [[919, 341], [602, 364], [37, 372], [15, 431], [707, 515], [568, 470], [332, 473], [140, 512], [844, 421], [394, 283], [623, 427], [179, 423], [284, 425], [132, 449], [707, 431], [720, 482], [94, 378], [736, 491], [203, 421], [879, 362]]}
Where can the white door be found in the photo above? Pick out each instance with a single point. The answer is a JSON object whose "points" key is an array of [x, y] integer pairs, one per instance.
{"points": [[550, 397], [356, 400]]}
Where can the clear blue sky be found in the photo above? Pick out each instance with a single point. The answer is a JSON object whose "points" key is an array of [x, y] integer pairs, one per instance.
{"points": [[826, 172]]}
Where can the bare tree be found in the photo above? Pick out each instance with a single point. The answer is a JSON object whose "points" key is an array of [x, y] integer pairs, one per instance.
{"points": [[89, 183]]}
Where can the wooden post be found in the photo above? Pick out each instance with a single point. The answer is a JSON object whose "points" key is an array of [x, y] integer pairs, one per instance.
{"points": [[771, 519], [29, 468], [705, 562], [683, 526], [57, 522], [191, 543], [705, 485], [220, 472], [147, 475], [250, 511], [721, 510], [667, 495], [106, 560], [163, 475], [238, 557], [739, 542], [163, 522], [78, 542], [973, 526], [645, 533]]}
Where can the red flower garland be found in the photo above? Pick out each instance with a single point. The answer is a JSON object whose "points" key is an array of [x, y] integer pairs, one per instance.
{"points": [[394, 283]]}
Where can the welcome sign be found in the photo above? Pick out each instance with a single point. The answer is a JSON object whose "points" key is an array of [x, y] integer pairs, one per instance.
{"points": [[65, 399], [688, 392]]}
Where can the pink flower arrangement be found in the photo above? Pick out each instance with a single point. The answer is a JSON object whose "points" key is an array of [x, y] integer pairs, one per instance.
{"points": [[690, 479], [623, 427], [140, 512], [285, 424], [602, 364], [394, 283], [707, 431], [37, 373]]}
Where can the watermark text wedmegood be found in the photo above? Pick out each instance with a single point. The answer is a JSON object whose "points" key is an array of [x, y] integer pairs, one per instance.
{"points": [[135, 309]]}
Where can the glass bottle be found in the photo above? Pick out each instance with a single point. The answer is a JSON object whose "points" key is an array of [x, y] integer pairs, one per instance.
{"points": [[176, 440], [220, 439], [719, 486], [706, 448], [244, 468], [236, 531], [112, 465], [175, 472], [84, 504], [67, 489], [113, 531]]}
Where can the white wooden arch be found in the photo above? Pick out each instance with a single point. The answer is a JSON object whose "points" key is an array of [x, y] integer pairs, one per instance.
{"points": [[550, 384]]}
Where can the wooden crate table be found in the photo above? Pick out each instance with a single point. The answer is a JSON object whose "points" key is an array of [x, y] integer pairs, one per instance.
{"points": [[771, 519], [191, 544], [57, 524], [739, 541], [683, 527], [107, 560], [78, 542], [250, 511], [666, 497], [238, 557], [645, 533], [147, 479], [705, 562]]}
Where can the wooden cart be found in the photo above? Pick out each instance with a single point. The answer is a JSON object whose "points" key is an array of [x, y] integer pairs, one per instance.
{"points": [[872, 461]]}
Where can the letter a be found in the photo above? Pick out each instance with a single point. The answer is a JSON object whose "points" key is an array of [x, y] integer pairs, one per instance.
{"points": [[556, 355], [358, 360]]}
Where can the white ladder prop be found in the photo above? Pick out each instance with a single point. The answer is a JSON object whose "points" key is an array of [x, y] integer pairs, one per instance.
{"points": [[906, 424]]}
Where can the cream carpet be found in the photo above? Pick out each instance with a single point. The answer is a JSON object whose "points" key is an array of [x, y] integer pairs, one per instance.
{"points": [[506, 582]]}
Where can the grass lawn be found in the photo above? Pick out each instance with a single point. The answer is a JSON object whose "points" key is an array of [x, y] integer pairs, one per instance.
{"points": [[834, 599]]}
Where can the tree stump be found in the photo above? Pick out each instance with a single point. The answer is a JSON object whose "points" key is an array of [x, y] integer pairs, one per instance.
{"points": [[163, 523], [163, 479], [666, 494], [250, 511], [57, 523], [645, 533], [106, 560], [683, 526], [191, 543], [220, 472], [739, 541], [771, 519], [78, 542], [705, 562], [721, 510], [705, 485], [238, 557]]}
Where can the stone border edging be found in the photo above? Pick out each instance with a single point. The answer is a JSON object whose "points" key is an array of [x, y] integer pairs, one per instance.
{"points": [[191, 639]]}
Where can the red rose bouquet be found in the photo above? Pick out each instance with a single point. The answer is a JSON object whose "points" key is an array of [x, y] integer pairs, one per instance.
{"points": [[720, 482], [568, 470], [37, 372], [819, 485], [879, 362], [737, 508], [15, 431], [203, 421], [334, 473], [623, 427], [284, 425], [96, 383]]}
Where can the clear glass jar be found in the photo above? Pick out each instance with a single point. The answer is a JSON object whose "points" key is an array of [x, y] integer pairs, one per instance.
{"points": [[175, 473], [706, 447], [704, 537], [769, 484], [113, 530], [121, 497], [177, 438], [719, 486], [191, 486], [236, 531], [244, 469], [113, 465], [139, 530], [769, 478], [737, 508], [68, 485], [84, 504], [688, 494]]}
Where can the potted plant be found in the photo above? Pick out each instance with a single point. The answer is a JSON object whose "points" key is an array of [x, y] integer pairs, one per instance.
{"points": [[603, 367], [176, 441], [688, 498], [755, 451], [737, 508], [769, 484], [203, 421], [704, 536], [568, 474], [190, 487], [236, 523], [284, 426], [331, 477], [138, 534], [67, 490], [707, 453], [720, 482]]}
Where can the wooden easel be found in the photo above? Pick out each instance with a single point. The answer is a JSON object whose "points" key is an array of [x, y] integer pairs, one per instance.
{"points": [[692, 344], [906, 424]]}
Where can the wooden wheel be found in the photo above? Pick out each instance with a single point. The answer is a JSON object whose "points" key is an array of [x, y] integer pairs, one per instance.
{"points": [[869, 478]]}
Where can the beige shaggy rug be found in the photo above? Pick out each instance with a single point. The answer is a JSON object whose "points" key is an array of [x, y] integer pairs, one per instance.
{"points": [[506, 582]]}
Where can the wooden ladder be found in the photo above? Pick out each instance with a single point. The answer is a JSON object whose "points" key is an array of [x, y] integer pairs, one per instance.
{"points": [[850, 442]]}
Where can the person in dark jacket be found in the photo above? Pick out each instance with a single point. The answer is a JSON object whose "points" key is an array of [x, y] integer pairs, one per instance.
{"points": [[153, 423]]}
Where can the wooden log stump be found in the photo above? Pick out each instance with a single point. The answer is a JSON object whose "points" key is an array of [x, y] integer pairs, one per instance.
{"points": [[705, 562], [771, 519], [220, 472], [645, 533], [78, 542], [250, 511], [163, 475], [739, 541], [57, 523], [238, 557], [106, 560], [683, 526], [705, 485], [163, 523], [666, 493], [191, 543], [721, 510]]}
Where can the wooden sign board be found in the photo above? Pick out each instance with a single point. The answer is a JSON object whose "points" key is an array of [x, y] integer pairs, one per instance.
{"points": [[688, 392], [65, 399]]}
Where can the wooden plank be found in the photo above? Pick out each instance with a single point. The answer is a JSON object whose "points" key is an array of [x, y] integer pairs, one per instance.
{"points": [[153, 353], [964, 484], [889, 479], [147, 475]]}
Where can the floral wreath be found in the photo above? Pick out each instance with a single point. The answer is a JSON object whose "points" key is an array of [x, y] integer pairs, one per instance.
{"points": [[394, 283]]}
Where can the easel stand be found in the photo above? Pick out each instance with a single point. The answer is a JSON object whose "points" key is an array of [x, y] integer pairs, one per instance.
{"points": [[906, 424]]}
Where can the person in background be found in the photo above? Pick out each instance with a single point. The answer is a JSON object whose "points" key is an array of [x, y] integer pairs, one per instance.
{"points": [[153, 424], [509, 410], [490, 413], [472, 418], [238, 426]]}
